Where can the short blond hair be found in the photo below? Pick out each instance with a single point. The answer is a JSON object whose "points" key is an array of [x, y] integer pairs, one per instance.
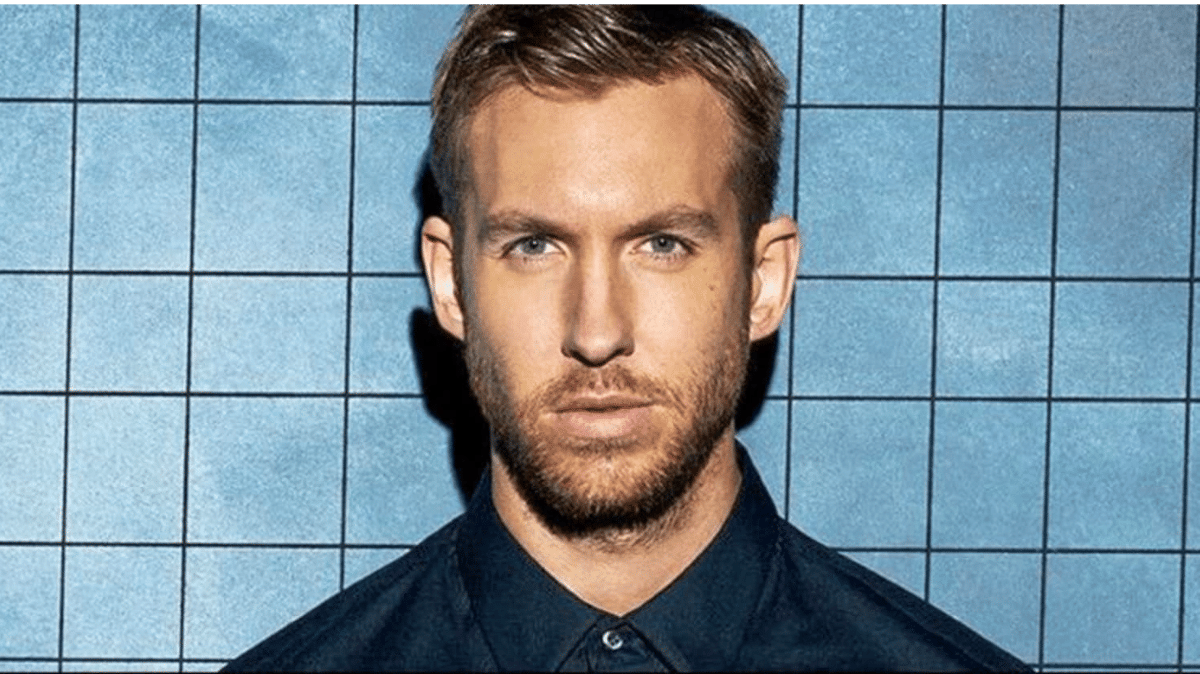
{"points": [[585, 50]]}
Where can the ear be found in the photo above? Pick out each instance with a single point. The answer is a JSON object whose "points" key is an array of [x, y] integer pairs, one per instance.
{"points": [[776, 256], [437, 251]]}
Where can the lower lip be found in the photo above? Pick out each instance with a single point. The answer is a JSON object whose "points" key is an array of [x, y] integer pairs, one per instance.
{"points": [[612, 423]]}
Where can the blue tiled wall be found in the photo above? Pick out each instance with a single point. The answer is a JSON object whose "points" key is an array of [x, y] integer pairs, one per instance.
{"points": [[212, 416]]}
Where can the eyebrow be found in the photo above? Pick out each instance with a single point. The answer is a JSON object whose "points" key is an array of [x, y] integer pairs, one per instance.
{"points": [[700, 225]]}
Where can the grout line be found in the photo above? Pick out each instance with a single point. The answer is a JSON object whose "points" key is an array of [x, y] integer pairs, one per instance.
{"points": [[216, 273], [407, 103], [417, 275], [990, 279], [1046, 465], [349, 305], [401, 395], [334, 545], [1187, 382], [791, 345], [322, 102], [62, 568], [929, 107], [241, 545], [933, 346], [219, 394], [187, 400], [1063, 666]]}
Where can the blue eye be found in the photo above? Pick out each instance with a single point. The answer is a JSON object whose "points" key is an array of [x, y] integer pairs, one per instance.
{"points": [[663, 244], [534, 245]]}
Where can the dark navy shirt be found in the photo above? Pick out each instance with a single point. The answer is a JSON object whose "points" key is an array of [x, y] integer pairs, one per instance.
{"points": [[762, 596]]}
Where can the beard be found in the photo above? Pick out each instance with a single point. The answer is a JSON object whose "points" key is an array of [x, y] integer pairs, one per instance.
{"points": [[590, 488]]}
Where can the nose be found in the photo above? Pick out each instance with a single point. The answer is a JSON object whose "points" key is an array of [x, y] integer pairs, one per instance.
{"points": [[598, 309]]}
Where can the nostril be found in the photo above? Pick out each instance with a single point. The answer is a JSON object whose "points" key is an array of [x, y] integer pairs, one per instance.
{"points": [[599, 325]]}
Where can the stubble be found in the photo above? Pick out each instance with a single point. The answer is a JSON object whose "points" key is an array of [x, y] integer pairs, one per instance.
{"points": [[630, 488]]}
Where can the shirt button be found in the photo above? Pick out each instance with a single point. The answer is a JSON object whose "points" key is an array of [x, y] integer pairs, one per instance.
{"points": [[612, 640]]}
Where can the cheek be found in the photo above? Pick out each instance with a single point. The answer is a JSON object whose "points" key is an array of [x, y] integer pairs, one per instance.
{"points": [[687, 318], [518, 323]]}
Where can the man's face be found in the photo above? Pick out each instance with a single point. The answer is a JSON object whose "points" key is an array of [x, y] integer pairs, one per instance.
{"points": [[605, 296]]}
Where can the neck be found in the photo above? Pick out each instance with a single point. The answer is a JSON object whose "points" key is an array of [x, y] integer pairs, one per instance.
{"points": [[619, 570]]}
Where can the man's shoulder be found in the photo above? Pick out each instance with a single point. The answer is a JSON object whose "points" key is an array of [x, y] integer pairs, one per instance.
{"points": [[410, 614], [847, 617]]}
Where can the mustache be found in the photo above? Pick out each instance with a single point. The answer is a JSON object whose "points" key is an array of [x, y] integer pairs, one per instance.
{"points": [[609, 379]]}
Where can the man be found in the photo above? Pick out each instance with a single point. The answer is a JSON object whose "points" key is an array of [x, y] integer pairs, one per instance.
{"points": [[607, 255]]}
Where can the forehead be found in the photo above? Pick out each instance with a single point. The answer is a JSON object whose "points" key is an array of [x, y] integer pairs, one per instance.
{"points": [[632, 150]]}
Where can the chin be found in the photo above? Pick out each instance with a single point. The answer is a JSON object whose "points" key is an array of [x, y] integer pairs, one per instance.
{"points": [[587, 487]]}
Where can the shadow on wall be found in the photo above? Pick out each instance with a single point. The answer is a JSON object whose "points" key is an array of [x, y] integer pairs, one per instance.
{"points": [[446, 388]]}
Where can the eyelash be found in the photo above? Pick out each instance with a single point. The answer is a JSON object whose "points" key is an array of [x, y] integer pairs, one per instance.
{"points": [[515, 246], [682, 248]]}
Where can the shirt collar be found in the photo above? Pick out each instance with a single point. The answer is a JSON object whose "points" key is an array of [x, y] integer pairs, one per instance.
{"points": [[528, 619], [697, 622]]}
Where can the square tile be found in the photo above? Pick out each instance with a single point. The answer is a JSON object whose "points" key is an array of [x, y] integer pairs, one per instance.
{"points": [[129, 333], [236, 598], [1191, 612], [400, 480], [399, 47], [1111, 669], [276, 51], [36, 50], [269, 334], [871, 54], [993, 338], [388, 160], [1001, 54], [1125, 194], [997, 595], [381, 342], [125, 466], [362, 562], [777, 27], [1116, 475], [988, 461], [906, 569], [997, 192], [265, 470], [1120, 339], [766, 440], [29, 595], [868, 184], [785, 189], [862, 338], [24, 665], [272, 187], [1123, 55], [120, 666], [1193, 504], [33, 332], [31, 442], [777, 384], [35, 162], [133, 178], [859, 471], [122, 602], [140, 51], [1112, 608]]}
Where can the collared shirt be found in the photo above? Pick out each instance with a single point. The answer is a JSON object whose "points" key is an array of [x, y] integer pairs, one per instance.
{"points": [[762, 596]]}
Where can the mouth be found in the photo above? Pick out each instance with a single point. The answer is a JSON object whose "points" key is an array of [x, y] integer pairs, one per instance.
{"points": [[601, 404], [603, 416]]}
